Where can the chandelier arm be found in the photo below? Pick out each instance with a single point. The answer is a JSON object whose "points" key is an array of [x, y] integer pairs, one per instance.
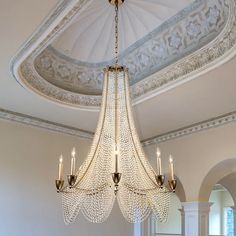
{"points": [[87, 191], [126, 88], [103, 121], [136, 190]]}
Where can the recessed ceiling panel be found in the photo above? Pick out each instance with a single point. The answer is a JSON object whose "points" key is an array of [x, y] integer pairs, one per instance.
{"points": [[90, 37], [163, 43]]}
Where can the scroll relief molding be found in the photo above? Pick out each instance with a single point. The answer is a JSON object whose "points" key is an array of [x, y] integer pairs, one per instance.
{"points": [[196, 40]]}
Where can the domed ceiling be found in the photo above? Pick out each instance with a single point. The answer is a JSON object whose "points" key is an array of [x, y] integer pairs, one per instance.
{"points": [[90, 36], [163, 43]]}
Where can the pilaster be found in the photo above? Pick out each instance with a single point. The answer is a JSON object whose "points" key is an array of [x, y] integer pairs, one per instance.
{"points": [[195, 218]]}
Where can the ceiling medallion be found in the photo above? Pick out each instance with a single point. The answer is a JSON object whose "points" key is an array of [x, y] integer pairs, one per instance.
{"points": [[116, 166], [114, 2]]}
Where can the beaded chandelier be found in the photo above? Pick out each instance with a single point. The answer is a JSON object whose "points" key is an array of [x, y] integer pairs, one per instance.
{"points": [[116, 166]]}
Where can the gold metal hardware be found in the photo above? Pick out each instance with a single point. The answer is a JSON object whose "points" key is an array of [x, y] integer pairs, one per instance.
{"points": [[71, 180], [173, 184], [59, 184], [116, 179], [160, 180], [114, 2]]}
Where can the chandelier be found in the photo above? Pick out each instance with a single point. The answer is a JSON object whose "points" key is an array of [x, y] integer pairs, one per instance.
{"points": [[116, 166]]}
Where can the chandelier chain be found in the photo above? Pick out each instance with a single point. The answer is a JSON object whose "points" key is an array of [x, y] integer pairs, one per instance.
{"points": [[116, 30]]}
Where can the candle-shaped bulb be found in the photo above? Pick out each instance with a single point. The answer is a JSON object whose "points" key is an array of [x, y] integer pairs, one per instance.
{"points": [[171, 168], [72, 169], [116, 152], [60, 167], [158, 152], [159, 167], [73, 152]]}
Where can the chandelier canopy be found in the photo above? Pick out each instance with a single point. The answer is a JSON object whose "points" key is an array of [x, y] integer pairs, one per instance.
{"points": [[116, 166]]}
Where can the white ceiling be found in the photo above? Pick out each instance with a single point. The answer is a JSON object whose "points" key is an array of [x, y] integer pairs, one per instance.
{"points": [[95, 26], [210, 95]]}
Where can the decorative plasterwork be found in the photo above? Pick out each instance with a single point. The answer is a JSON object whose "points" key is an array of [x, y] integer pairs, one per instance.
{"points": [[166, 57], [43, 124], [181, 35], [55, 127]]}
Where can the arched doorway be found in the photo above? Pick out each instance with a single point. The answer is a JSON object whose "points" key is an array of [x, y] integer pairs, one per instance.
{"points": [[219, 187], [221, 216]]}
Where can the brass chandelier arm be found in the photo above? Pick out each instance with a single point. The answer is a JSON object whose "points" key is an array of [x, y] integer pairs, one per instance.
{"points": [[87, 191], [142, 192], [90, 192]]}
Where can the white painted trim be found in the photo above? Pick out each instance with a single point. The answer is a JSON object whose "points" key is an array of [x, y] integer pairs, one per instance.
{"points": [[51, 126], [204, 125], [43, 124]]}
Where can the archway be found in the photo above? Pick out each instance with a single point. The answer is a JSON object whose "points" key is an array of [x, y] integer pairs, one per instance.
{"points": [[219, 187], [221, 216], [214, 176]]}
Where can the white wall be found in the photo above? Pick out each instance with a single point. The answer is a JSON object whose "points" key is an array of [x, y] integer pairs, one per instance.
{"points": [[196, 154], [29, 204]]}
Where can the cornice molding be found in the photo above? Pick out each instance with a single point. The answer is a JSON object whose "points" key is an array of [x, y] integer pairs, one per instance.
{"points": [[59, 128], [201, 126], [43, 124]]}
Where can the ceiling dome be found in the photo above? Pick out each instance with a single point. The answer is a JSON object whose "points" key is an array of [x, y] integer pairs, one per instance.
{"points": [[164, 43], [90, 37]]}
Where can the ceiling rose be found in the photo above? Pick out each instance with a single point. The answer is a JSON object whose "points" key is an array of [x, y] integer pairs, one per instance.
{"points": [[114, 2]]}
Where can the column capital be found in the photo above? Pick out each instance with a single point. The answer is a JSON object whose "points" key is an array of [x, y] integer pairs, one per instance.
{"points": [[196, 206]]}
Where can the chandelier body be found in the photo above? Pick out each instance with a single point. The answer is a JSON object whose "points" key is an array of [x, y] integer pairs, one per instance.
{"points": [[115, 149], [116, 166]]}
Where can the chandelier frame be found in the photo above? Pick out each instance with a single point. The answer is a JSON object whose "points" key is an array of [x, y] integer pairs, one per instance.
{"points": [[116, 169]]}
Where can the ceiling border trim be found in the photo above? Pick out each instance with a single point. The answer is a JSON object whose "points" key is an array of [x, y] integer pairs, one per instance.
{"points": [[43, 124], [51, 26], [59, 128], [197, 127], [214, 54]]}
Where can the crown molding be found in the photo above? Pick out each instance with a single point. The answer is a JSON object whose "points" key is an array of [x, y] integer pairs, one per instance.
{"points": [[197, 127], [60, 128], [43, 124]]}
